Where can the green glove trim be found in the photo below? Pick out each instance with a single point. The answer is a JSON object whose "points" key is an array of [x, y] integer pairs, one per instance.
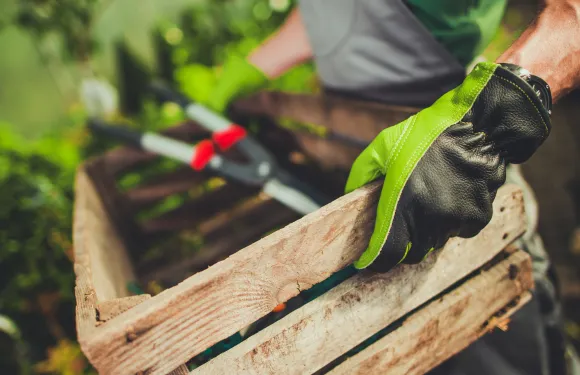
{"points": [[395, 153], [238, 77]]}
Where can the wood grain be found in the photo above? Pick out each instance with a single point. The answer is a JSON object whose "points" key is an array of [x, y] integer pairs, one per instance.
{"points": [[181, 370], [179, 181], [448, 324], [224, 235], [86, 299], [199, 209], [116, 210], [329, 111], [98, 248], [107, 310], [338, 321], [182, 321]]}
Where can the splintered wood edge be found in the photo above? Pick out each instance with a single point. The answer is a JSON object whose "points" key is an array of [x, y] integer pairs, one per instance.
{"points": [[172, 327], [448, 324], [331, 325]]}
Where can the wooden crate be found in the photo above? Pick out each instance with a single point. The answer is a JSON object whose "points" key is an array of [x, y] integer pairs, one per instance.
{"points": [[424, 313]]}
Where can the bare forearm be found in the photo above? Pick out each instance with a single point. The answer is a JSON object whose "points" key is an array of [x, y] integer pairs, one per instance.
{"points": [[550, 47], [286, 48]]}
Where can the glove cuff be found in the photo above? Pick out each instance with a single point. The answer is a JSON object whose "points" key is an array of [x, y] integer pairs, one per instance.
{"points": [[511, 114], [238, 77]]}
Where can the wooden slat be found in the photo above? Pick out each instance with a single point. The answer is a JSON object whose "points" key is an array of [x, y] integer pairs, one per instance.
{"points": [[182, 321], [329, 111], [332, 112], [199, 209], [107, 310], [116, 212], [350, 313], [181, 370], [448, 324], [223, 237], [93, 280], [176, 182], [97, 243]]}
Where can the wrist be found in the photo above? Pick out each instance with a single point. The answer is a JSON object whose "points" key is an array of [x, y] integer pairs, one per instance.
{"points": [[550, 47], [238, 77], [283, 50]]}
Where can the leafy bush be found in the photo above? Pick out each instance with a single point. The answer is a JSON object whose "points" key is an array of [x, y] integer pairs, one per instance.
{"points": [[36, 276], [36, 178]]}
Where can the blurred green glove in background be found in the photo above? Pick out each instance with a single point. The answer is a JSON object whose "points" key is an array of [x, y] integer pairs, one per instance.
{"points": [[217, 87]]}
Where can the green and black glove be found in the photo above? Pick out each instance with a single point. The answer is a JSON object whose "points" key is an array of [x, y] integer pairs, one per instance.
{"points": [[217, 87], [443, 166], [237, 78]]}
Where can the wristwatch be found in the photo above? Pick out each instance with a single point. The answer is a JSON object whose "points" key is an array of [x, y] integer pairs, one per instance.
{"points": [[540, 87]]}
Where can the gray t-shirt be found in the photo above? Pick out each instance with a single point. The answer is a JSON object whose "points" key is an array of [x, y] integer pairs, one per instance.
{"points": [[378, 50]]}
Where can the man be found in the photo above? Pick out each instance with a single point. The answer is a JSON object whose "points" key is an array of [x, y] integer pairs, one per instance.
{"points": [[443, 166]]}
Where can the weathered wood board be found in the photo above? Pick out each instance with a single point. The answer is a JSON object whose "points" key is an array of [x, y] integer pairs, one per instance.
{"points": [[314, 335], [448, 324], [165, 331]]}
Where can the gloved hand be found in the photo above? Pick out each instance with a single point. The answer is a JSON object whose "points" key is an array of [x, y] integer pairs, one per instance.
{"points": [[442, 167], [217, 87], [237, 78]]}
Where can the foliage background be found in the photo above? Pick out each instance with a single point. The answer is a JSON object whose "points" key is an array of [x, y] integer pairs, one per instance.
{"points": [[43, 139], [49, 46]]}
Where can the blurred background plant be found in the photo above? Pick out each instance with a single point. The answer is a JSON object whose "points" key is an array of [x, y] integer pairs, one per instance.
{"points": [[53, 49], [38, 157]]}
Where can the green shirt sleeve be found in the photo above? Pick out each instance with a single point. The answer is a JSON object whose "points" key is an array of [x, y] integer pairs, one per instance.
{"points": [[464, 27]]}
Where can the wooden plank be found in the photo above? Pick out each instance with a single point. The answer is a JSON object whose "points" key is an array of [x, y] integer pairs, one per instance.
{"points": [[107, 310], [199, 209], [179, 181], [181, 370], [230, 232], [116, 211], [365, 304], [329, 111], [448, 324], [97, 245], [85, 296], [182, 321]]}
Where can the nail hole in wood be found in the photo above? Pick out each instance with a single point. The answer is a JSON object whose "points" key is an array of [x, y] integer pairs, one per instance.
{"points": [[131, 336], [513, 271]]}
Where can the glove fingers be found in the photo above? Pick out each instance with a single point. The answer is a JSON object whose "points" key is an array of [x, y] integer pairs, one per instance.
{"points": [[365, 169], [418, 252], [373, 161], [396, 246]]}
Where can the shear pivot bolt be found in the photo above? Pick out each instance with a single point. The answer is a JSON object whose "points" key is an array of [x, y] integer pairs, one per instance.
{"points": [[263, 169], [215, 162]]}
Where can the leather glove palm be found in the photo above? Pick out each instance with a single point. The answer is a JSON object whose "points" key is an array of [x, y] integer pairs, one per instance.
{"points": [[442, 167]]}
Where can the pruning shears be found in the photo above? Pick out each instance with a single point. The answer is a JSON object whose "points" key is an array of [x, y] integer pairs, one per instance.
{"points": [[260, 170]]}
